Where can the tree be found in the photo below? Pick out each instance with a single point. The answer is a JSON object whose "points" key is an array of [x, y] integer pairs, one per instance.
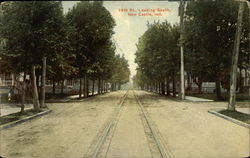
{"points": [[157, 57], [233, 78], [210, 28], [30, 39], [121, 73], [93, 28]]}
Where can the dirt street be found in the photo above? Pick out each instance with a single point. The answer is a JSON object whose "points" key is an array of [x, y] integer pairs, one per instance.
{"points": [[128, 138], [189, 131], [72, 129], [67, 132]]}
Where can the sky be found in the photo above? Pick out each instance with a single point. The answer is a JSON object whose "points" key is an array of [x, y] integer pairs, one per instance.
{"points": [[128, 29]]}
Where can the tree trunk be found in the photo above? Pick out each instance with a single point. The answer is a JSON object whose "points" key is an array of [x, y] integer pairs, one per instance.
{"points": [[198, 81], [174, 87], [103, 86], [23, 92], [189, 83], [87, 86], [107, 86], [84, 87], [200, 87], [62, 86], [99, 85], [168, 87], [163, 88], [93, 87], [119, 86], [112, 86], [80, 88], [182, 80], [240, 82], [233, 74], [218, 89], [159, 89], [105, 89], [37, 84], [245, 79], [54, 87], [154, 87], [43, 82], [34, 89]]}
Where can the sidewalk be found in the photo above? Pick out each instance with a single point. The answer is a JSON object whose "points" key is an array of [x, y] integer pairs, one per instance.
{"points": [[9, 108], [243, 110], [196, 99], [68, 98]]}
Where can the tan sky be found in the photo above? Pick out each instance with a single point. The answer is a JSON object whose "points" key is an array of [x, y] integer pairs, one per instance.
{"points": [[129, 28]]}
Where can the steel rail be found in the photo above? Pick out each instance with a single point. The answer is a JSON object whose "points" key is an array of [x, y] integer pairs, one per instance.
{"points": [[153, 131], [106, 130]]}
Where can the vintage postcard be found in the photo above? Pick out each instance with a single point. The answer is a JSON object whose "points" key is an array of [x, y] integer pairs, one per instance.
{"points": [[125, 79]]}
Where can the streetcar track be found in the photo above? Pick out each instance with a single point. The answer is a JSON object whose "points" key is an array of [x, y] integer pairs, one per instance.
{"points": [[113, 132], [151, 142], [107, 129], [154, 134]]}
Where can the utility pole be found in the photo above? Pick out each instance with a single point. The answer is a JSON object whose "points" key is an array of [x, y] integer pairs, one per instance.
{"points": [[181, 14], [233, 74]]}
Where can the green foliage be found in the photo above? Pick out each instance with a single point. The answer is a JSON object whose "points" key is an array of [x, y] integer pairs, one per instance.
{"points": [[210, 33], [92, 27], [157, 52], [75, 45], [29, 33], [120, 70]]}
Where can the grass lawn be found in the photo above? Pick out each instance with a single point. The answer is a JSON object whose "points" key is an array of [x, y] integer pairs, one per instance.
{"points": [[237, 115], [225, 96], [17, 116], [243, 105]]}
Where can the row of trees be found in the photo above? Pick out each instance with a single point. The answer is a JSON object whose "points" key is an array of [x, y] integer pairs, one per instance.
{"points": [[39, 38], [209, 35], [157, 57]]}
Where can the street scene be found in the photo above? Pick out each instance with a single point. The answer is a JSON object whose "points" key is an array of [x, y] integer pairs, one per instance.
{"points": [[124, 79]]}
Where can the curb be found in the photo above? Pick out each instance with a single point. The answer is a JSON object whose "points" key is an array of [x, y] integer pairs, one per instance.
{"points": [[73, 99], [58, 101], [12, 124], [229, 119]]}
